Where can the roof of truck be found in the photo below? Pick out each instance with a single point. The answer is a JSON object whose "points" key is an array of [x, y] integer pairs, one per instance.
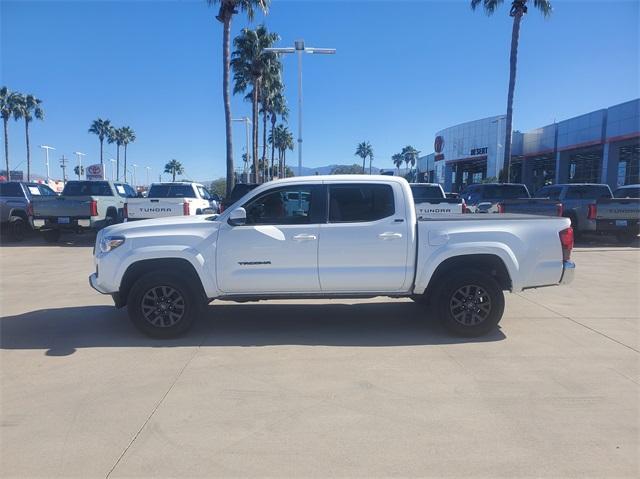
{"points": [[350, 178]]}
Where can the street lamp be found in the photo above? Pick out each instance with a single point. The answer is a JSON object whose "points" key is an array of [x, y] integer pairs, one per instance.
{"points": [[247, 122], [134, 174], [46, 149], [299, 48], [148, 168], [80, 155], [113, 169]]}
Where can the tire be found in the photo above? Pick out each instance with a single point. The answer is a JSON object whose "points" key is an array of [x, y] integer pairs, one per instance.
{"points": [[109, 220], [51, 236], [470, 303], [151, 300], [626, 238], [17, 228]]}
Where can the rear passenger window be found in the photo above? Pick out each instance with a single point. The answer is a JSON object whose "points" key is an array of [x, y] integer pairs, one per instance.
{"points": [[358, 203], [11, 189]]}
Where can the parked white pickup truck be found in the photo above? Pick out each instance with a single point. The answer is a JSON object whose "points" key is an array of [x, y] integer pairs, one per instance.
{"points": [[182, 198], [352, 236]]}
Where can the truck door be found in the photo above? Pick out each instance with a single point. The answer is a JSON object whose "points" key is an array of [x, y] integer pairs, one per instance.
{"points": [[276, 251], [364, 244]]}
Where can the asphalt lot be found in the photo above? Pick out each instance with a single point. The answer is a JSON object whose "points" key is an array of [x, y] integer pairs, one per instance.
{"points": [[331, 388]]}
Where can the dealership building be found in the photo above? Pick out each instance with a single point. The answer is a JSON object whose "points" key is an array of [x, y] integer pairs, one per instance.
{"points": [[602, 146]]}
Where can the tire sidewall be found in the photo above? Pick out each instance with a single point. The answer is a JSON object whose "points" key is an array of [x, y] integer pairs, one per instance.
{"points": [[17, 228], [462, 278], [153, 279]]}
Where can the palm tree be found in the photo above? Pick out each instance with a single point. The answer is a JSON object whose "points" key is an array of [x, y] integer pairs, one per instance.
{"points": [[277, 106], [174, 167], [517, 11], [228, 8], [8, 105], [283, 141], [365, 150], [410, 156], [128, 136], [115, 136], [397, 159], [270, 92], [250, 63], [28, 107], [101, 128]]}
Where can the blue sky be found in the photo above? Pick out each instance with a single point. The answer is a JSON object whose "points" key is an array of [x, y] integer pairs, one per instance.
{"points": [[403, 71]]}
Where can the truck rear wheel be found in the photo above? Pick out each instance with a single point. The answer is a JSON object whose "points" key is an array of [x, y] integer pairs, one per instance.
{"points": [[470, 303], [17, 228], [162, 305]]}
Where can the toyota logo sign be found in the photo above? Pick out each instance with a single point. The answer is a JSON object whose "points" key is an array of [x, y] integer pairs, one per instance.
{"points": [[438, 145]]}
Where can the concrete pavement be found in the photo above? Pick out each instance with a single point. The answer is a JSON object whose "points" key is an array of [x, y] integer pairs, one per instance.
{"points": [[317, 389]]}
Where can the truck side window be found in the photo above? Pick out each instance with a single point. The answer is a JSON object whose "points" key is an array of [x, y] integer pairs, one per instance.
{"points": [[283, 206], [11, 190], [360, 202]]}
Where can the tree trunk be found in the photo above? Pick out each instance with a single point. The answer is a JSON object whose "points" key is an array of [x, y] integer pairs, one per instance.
{"points": [[370, 161], [6, 147], [364, 164], [513, 61], [118, 163], [273, 144], [26, 133], [226, 97], [173, 173], [104, 173], [265, 162], [254, 131], [125, 162]]}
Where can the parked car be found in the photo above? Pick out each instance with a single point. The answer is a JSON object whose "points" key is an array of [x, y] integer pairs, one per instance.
{"points": [[181, 198], [357, 237], [507, 198], [430, 199], [16, 212], [578, 202], [619, 215], [83, 205], [238, 191]]}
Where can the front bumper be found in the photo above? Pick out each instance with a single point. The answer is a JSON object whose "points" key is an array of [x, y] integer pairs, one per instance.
{"points": [[568, 272], [93, 282]]}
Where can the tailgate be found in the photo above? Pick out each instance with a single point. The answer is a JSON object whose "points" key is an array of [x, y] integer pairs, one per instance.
{"points": [[147, 208], [60, 206], [439, 207], [618, 209], [532, 206]]}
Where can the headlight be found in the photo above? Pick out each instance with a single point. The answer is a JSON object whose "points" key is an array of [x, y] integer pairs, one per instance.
{"points": [[109, 243]]}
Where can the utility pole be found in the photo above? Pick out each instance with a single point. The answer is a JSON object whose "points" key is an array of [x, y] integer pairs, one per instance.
{"points": [[134, 175], [63, 165]]}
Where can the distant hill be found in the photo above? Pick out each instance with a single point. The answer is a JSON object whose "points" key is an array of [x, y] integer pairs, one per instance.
{"points": [[325, 170]]}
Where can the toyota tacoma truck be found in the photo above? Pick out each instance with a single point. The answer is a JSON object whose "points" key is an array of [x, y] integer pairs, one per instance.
{"points": [[346, 236], [181, 198], [82, 205]]}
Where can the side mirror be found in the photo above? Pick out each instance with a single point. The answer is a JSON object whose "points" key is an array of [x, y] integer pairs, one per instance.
{"points": [[238, 217]]}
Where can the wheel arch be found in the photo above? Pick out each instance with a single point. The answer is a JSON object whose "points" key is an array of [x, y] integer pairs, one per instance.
{"points": [[177, 266]]}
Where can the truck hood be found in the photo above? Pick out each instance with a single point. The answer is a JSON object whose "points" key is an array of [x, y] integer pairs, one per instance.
{"points": [[169, 226]]}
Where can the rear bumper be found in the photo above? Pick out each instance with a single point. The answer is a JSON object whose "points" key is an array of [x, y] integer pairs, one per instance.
{"points": [[568, 272], [77, 223], [618, 226]]}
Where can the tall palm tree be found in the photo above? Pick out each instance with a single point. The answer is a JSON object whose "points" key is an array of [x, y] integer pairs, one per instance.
{"points": [[101, 128], [128, 136], [410, 156], [283, 141], [28, 107], [115, 136], [517, 11], [8, 105], [397, 159], [174, 167], [250, 63], [365, 150], [271, 91], [227, 9], [277, 107]]}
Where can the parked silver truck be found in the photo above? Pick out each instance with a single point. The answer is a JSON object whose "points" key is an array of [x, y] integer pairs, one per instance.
{"points": [[619, 215], [83, 205], [16, 213]]}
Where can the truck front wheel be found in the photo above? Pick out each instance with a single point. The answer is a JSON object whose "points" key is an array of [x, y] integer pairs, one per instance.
{"points": [[162, 306], [470, 303]]}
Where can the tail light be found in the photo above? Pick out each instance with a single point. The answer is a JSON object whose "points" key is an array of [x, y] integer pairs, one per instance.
{"points": [[500, 207], [592, 212], [559, 209], [185, 208], [93, 208], [126, 210], [566, 240], [29, 209], [465, 209]]}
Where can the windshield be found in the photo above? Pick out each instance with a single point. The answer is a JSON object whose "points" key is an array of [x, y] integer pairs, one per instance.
{"points": [[87, 188], [171, 191], [426, 192]]}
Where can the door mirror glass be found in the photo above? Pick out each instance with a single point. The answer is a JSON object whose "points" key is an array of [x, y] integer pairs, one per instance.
{"points": [[238, 217]]}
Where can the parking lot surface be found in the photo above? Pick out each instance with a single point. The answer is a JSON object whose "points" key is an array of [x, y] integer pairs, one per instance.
{"points": [[318, 388]]}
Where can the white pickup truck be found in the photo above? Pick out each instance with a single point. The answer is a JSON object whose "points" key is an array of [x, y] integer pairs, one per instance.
{"points": [[351, 236], [181, 198]]}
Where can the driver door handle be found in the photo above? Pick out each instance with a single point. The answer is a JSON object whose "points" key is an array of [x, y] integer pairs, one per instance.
{"points": [[304, 237], [389, 236]]}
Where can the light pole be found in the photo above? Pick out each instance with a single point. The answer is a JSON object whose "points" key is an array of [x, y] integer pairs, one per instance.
{"points": [[247, 122], [299, 48], [148, 168], [80, 155], [113, 169], [46, 149], [134, 174]]}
